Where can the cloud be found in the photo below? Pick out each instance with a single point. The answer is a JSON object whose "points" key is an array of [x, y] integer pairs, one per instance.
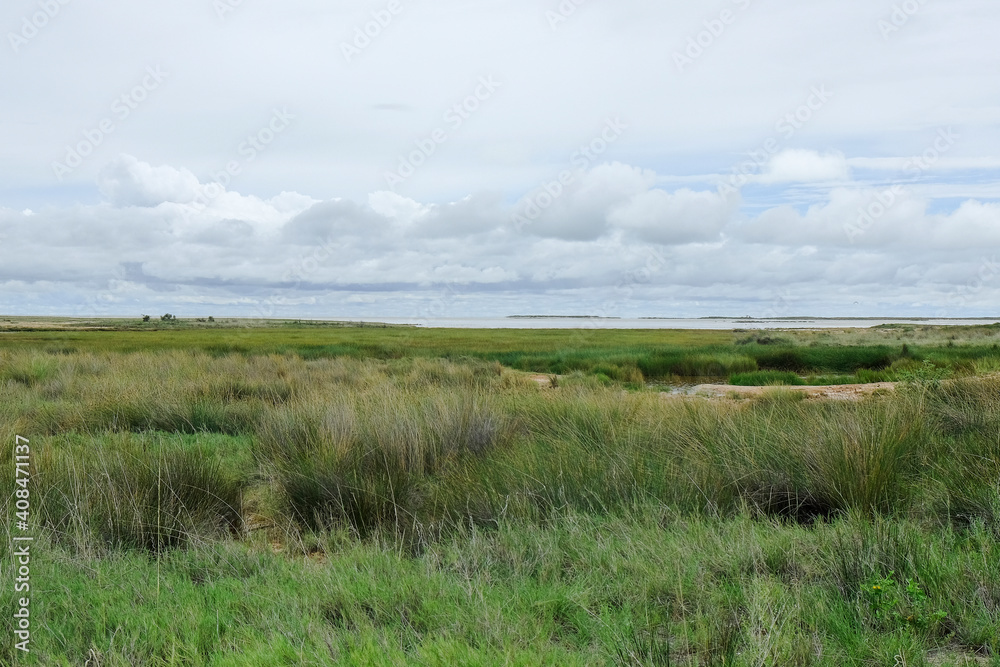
{"points": [[332, 220], [893, 219], [580, 209], [471, 215], [684, 216], [402, 209], [614, 240], [126, 181], [805, 166]]}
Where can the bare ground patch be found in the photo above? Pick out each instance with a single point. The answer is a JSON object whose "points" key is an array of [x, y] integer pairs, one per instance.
{"points": [[841, 392]]}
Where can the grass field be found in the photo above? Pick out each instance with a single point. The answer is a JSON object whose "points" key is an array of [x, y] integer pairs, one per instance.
{"points": [[292, 495], [635, 356]]}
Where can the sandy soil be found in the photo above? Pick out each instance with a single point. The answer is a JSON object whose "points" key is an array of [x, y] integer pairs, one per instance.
{"points": [[48, 325], [544, 381], [842, 392]]}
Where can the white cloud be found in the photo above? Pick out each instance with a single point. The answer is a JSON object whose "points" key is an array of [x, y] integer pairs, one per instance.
{"points": [[579, 210], [126, 181], [683, 216], [398, 207], [805, 166], [887, 219]]}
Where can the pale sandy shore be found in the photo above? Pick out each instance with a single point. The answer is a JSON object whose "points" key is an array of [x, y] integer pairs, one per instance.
{"points": [[843, 392]]}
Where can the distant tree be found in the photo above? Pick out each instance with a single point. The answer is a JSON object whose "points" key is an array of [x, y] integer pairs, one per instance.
{"points": [[211, 319], [145, 318], [168, 318]]}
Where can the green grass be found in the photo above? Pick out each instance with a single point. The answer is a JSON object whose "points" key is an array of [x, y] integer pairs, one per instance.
{"points": [[626, 356], [581, 590], [200, 508], [146, 492], [862, 376]]}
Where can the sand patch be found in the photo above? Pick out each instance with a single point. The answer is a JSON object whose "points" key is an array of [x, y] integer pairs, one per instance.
{"points": [[839, 392]]}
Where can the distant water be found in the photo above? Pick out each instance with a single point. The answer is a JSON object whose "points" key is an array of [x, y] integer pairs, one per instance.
{"points": [[613, 323]]}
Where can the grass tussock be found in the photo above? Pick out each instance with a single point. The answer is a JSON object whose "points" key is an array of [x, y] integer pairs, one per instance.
{"points": [[362, 461], [133, 493]]}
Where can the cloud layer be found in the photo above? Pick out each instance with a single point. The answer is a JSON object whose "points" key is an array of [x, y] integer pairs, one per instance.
{"points": [[612, 243]]}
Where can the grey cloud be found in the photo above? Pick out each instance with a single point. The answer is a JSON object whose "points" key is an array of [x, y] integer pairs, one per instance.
{"points": [[471, 215], [334, 220], [224, 232]]}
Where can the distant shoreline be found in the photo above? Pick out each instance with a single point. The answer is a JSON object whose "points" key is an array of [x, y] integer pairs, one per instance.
{"points": [[23, 324], [748, 318]]}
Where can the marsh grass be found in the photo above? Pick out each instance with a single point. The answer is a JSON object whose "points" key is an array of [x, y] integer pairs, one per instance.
{"points": [[701, 365], [362, 460], [415, 442], [619, 355], [133, 493], [451, 511]]}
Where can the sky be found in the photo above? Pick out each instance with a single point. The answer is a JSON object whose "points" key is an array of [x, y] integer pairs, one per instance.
{"points": [[418, 158]]}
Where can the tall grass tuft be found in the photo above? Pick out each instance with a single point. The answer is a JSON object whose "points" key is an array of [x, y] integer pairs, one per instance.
{"points": [[133, 493], [802, 460], [717, 365], [365, 462], [29, 369]]}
